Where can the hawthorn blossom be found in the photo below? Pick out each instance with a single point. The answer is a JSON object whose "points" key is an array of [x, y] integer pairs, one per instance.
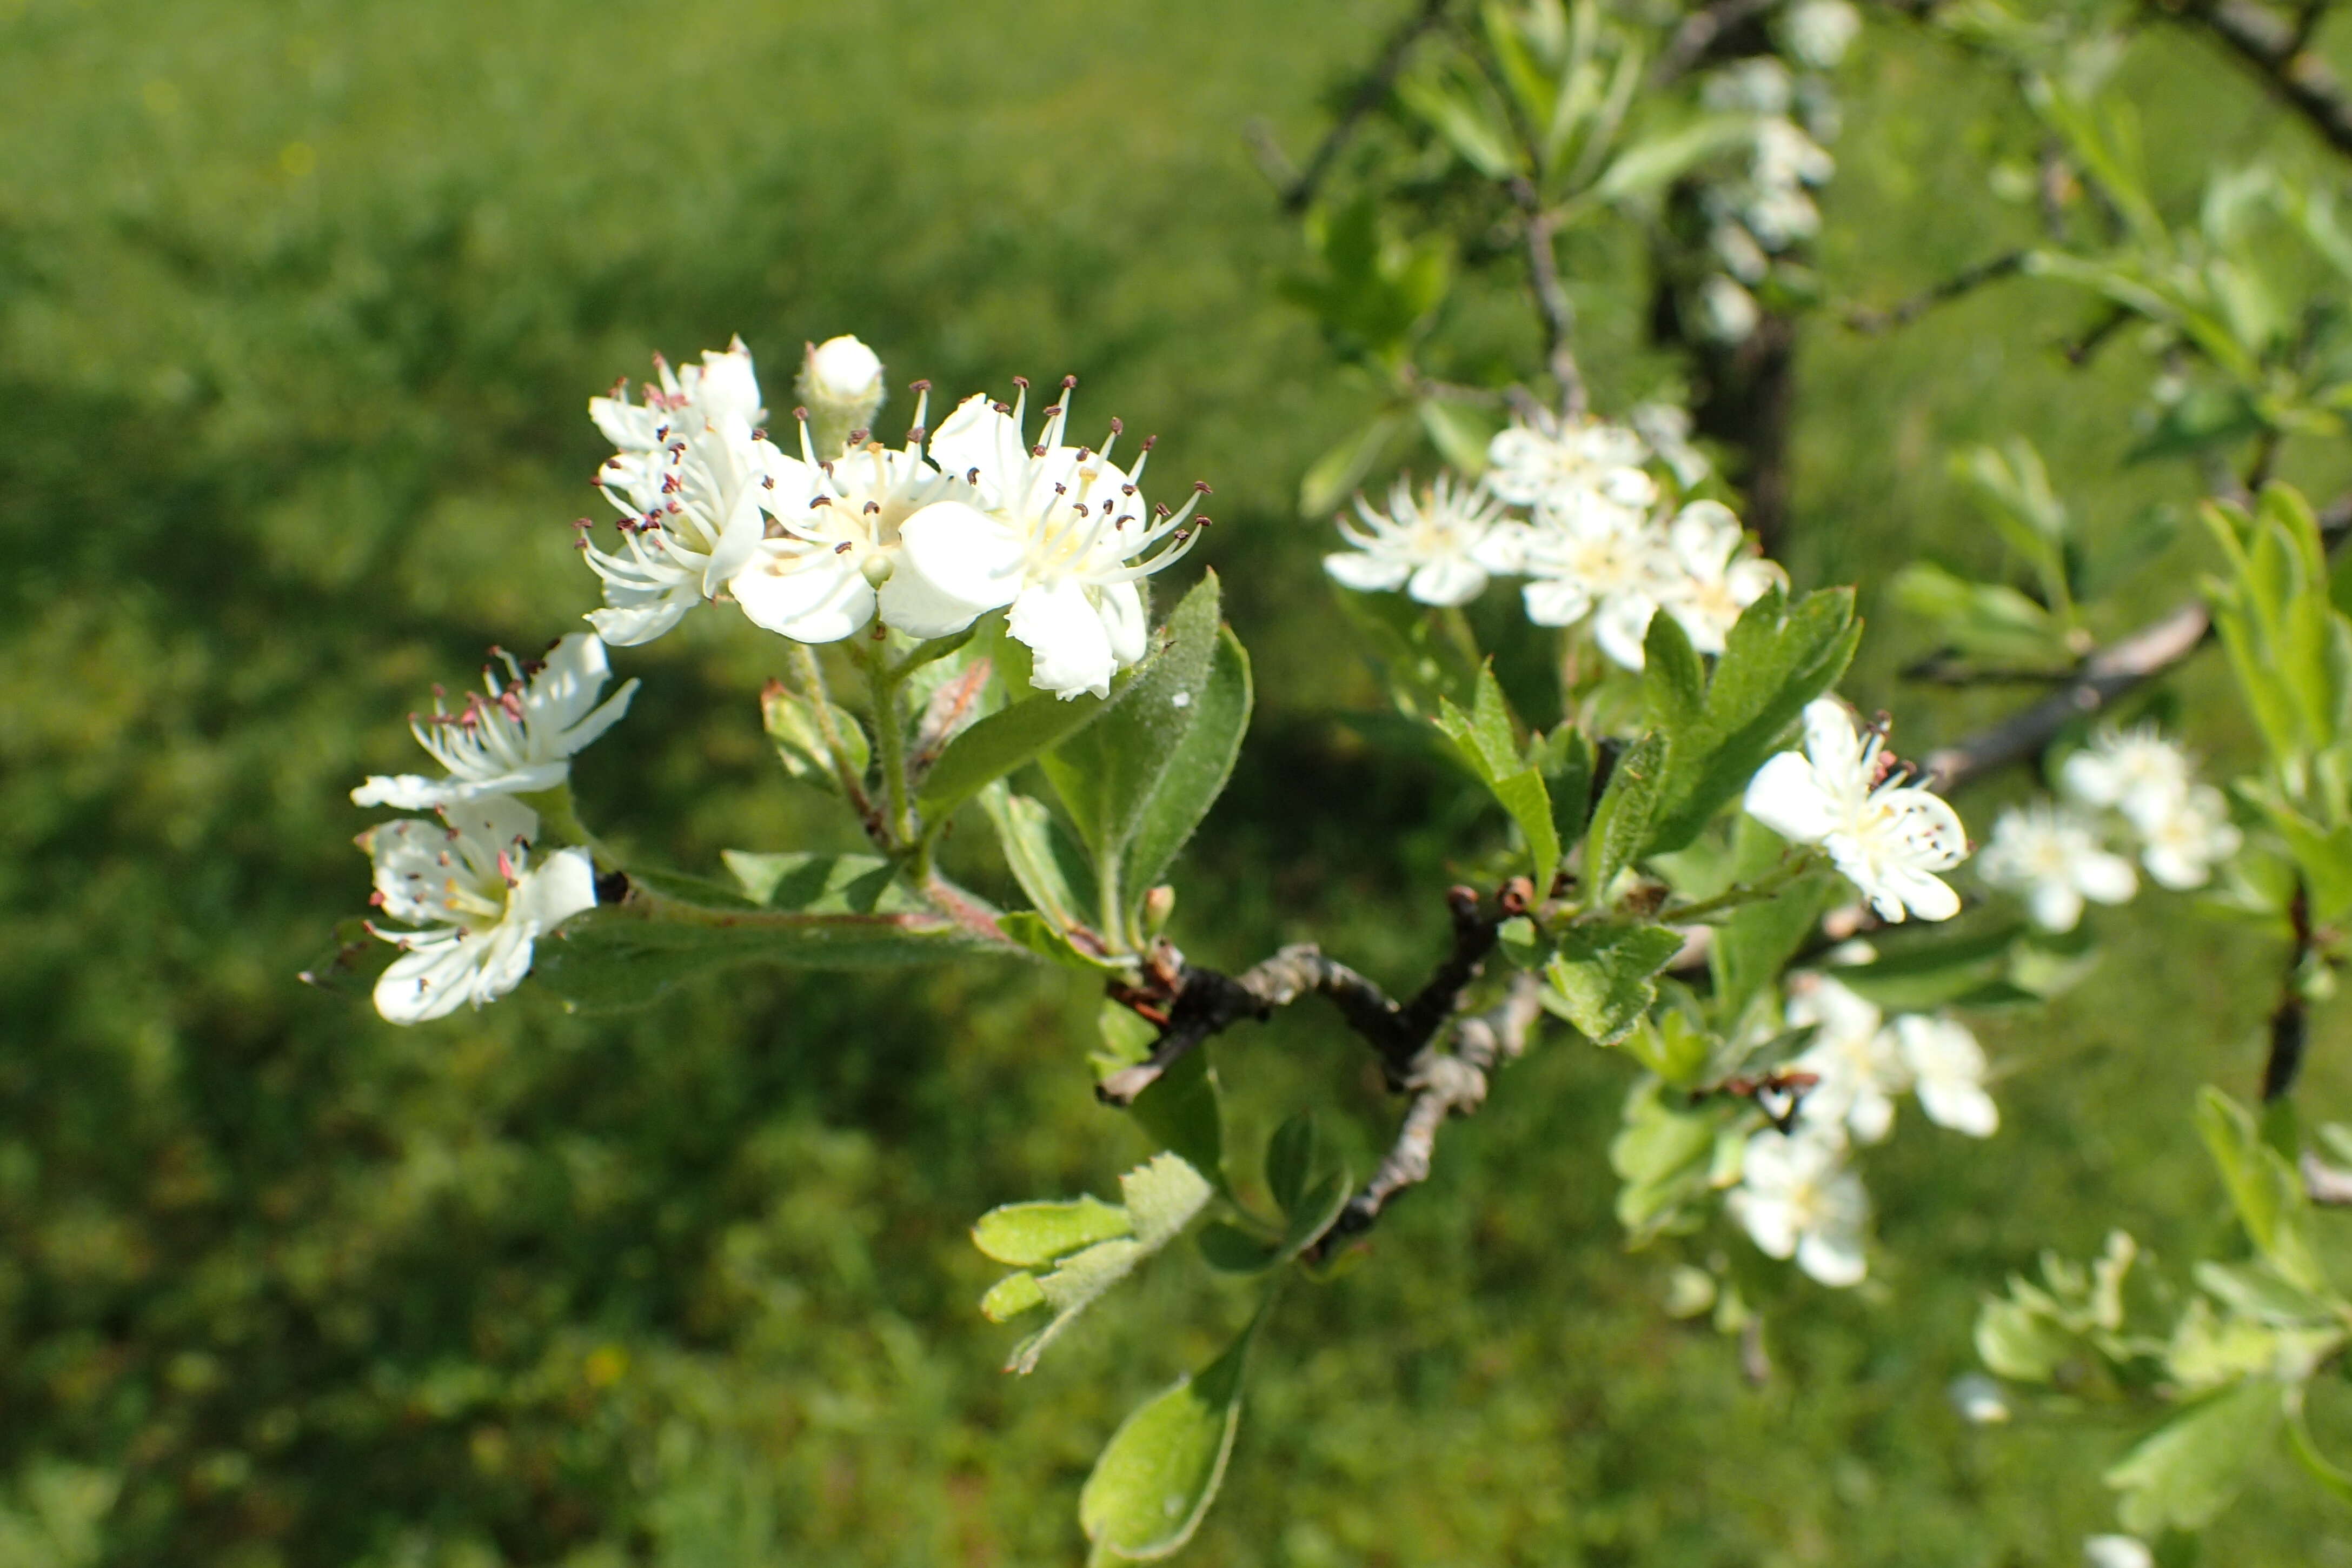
{"points": [[1854, 1057], [1667, 427], [1713, 581], [835, 535], [1587, 555], [2053, 856], [1058, 534], [1438, 546], [686, 476], [1797, 1199], [2117, 1552], [519, 739], [1947, 1070], [2138, 772], [1558, 463], [1820, 31], [2180, 847], [1886, 836], [476, 900]]}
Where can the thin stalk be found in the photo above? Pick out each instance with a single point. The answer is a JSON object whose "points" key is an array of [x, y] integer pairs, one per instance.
{"points": [[1772, 884], [883, 682], [812, 674]]}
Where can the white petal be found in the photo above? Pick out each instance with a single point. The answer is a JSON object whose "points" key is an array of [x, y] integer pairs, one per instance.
{"points": [[2055, 906], [505, 958], [1556, 603], [815, 596], [1448, 580], [554, 890], [1923, 895], [911, 605], [1620, 626], [1065, 634], [405, 792], [633, 625], [597, 722], [1873, 1116], [1125, 621], [963, 555], [1833, 1258], [1960, 1106], [432, 980], [2108, 879], [976, 438], [1786, 797], [727, 385], [1367, 573]]}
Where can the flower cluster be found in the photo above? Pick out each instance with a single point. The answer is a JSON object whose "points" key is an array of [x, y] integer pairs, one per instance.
{"points": [[1569, 506], [925, 538], [2130, 788], [469, 889], [1847, 794], [1767, 208], [1798, 1196]]}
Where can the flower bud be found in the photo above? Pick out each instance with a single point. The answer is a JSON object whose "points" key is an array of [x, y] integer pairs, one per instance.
{"points": [[1157, 905], [877, 567], [841, 381]]}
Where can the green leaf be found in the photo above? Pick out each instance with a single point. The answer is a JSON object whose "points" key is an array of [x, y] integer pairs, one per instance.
{"points": [[1182, 1110], [1334, 475], [1161, 1470], [2185, 1472], [2263, 1188], [1035, 933], [1051, 869], [1620, 829], [1291, 1159], [1752, 946], [1651, 165], [1919, 974], [1026, 1235], [1487, 743], [2019, 1343], [1778, 658], [1674, 680], [1196, 774], [1991, 622], [1674, 1047], [1011, 1296], [1564, 758], [1106, 775], [1415, 651], [1466, 116], [793, 722], [1162, 1196], [1605, 976], [626, 955], [1012, 735], [820, 884], [1230, 1249], [1458, 430], [2288, 647], [1662, 1156]]}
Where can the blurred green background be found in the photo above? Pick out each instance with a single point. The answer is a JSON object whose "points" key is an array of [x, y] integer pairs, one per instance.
{"points": [[301, 304]]}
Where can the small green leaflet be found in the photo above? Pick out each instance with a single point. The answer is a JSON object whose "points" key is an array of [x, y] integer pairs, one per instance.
{"points": [[1161, 1470], [1605, 976], [1489, 747]]}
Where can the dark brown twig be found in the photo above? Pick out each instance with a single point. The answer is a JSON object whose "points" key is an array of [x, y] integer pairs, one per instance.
{"points": [[2273, 48], [1553, 306], [1864, 319], [1368, 94], [1442, 1084], [1207, 1001], [2291, 1019]]}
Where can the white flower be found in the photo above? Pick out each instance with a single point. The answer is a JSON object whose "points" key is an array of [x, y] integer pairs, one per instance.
{"points": [[1667, 427], [2180, 847], [1590, 556], [2136, 770], [1714, 582], [1060, 534], [1979, 1400], [1820, 31], [1860, 1068], [477, 901], [1796, 1198], [686, 478], [1947, 1070], [2117, 1552], [835, 535], [1727, 313], [1435, 546], [1758, 84], [1888, 837], [841, 371], [519, 739], [1738, 250], [1558, 463], [1786, 157], [2053, 856]]}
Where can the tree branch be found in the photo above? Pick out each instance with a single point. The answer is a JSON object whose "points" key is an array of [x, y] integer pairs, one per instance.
{"points": [[1369, 93], [1862, 318], [1553, 306], [1206, 1002], [2291, 1019], [2273, 49], [1442, 1084]]}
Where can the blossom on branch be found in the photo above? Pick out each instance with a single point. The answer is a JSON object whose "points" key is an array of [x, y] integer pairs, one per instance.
{"points": [[2053, 856], [1712, 580], [476, 900], [1886, 834], [1589, 556], [1947, 1071], [1059, 535], [1438, 546], [2138, 772], [1797, 1199], [1557, 463], [1854, 1057], [2180, 847], [519, 739], [687, 475]]}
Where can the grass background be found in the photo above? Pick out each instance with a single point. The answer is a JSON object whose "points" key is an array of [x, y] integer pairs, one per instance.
{"points": [[299, 306]]}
